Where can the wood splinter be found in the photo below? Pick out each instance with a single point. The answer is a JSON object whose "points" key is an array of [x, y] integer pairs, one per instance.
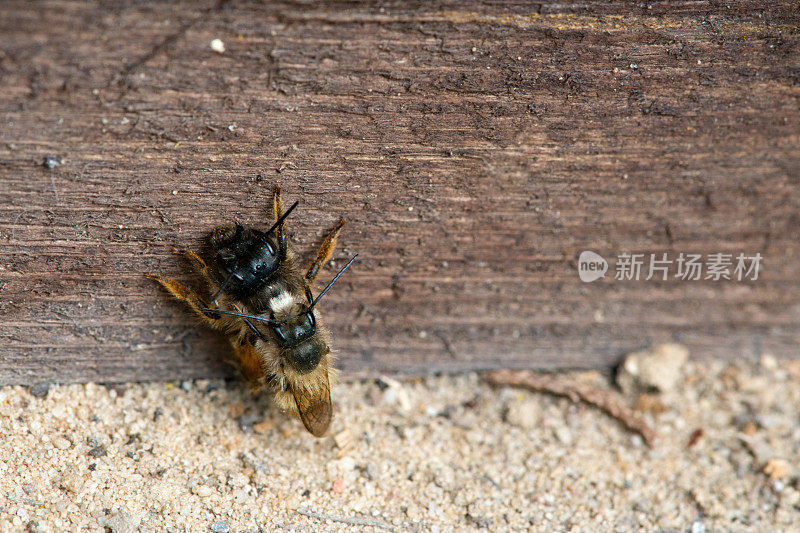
{"points": [[557, 386]]}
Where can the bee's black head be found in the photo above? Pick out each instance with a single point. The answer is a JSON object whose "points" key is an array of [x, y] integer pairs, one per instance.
{"points": [[296, 336], [247, 257], [298, 329], [305, 357]]}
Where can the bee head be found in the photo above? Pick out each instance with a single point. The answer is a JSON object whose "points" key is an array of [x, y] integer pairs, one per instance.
{"points": [[294, 327], [305, 357], [247, 257]]}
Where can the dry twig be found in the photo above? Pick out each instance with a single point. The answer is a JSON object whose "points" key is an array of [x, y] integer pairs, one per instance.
{"points": [[575, 391]]}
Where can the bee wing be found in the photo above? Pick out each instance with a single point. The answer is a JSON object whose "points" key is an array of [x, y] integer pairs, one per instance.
{"points": [[316, 412]]}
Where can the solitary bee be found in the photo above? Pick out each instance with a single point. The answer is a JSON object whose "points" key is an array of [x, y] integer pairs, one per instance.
{"points": [[266, 307]]}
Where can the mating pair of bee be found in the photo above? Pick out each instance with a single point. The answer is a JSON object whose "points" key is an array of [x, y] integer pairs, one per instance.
{"points": [[266, 308]]}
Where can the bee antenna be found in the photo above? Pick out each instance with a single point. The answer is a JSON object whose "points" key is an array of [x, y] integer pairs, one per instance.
{"points": [[319, 297], [281, 218], [253, 328], [222, 287], [220, 311]]}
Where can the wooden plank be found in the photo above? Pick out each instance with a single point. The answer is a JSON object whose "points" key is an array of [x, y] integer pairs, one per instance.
{"points": [[475, 149]]}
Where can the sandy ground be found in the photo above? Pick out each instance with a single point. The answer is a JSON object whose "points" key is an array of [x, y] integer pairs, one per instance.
{"points": [[437, 454]]}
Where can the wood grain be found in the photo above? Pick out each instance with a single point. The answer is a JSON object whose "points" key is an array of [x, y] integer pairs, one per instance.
{"points": [[475, 150]]}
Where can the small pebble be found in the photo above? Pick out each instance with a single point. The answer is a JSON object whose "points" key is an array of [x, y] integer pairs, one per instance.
{"points": [[264, 426], [650, 403], [749, 428], [35, 527], [698, 527], [524, 414], [777, 468], [40, 390], [220, 527], [564, 435], [120, 522], [396, 395], [371, 471], [658, 368], [343, 439], [236, 409], [217, 46], [61, 443], [51, 162], [237, 479], [97, 451], [72, 483], [204, 491], [769, 362]]}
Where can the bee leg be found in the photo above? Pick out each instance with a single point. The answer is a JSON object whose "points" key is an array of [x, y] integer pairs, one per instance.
{"points": [[324, 253], [190, 297], [277, 207], [202, 268], [196, 260]]}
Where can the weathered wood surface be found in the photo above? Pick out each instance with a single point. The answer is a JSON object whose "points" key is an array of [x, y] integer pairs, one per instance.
{"points": [[475, 149]]}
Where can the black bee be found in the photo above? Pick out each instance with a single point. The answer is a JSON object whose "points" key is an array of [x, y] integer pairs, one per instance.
{"points": [[266, 307]]}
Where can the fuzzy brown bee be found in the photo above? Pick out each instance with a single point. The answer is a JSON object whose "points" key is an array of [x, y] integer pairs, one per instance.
{"points": [[266, 308]]}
